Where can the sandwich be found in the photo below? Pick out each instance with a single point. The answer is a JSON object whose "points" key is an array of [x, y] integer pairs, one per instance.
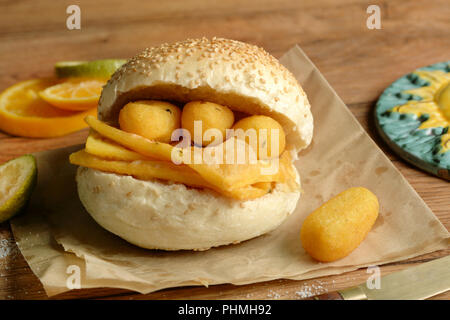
{"points": [[161, 167]]}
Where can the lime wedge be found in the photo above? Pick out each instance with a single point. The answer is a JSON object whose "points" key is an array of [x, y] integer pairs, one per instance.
{"points": [[97, 68], [17, 180]]}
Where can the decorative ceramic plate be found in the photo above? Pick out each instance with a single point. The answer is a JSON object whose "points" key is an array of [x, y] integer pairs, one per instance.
{"points": [[413, 117]]}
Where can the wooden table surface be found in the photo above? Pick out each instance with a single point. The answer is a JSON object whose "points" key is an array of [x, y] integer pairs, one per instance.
{"points": [[358, 62]]}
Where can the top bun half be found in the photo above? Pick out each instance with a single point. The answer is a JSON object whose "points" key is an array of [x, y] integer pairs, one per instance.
{"points": [[241, 76]]}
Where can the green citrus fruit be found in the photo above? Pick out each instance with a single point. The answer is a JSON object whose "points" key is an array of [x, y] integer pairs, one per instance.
{"points": [[17, 181], [97, 68]]}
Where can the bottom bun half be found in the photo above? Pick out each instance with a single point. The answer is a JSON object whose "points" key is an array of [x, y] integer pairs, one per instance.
{"points": [[158, 215]]}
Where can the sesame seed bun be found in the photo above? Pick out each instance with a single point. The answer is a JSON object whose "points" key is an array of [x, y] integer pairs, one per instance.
{"points": [[170, 216], [241, 76]]}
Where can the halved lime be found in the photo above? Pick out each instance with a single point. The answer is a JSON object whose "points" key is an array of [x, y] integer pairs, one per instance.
{"points": [[17, 181], [97, 68]]}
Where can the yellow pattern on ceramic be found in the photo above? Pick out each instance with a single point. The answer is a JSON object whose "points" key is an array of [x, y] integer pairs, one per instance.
{"points": [[445, 142], [435, 103]]}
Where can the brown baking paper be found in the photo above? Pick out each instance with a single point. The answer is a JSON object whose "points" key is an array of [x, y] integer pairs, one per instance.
{"points": [[57, 233]]}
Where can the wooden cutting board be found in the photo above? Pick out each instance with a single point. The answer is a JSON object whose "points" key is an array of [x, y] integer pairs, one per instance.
{"points": [[359, 63]]}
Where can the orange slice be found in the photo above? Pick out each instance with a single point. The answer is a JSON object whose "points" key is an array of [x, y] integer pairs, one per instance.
{"points": [[24, 113], [74, 94]]}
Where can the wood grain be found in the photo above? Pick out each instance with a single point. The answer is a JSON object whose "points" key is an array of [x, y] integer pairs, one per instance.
{"points": [[359, 63]]}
